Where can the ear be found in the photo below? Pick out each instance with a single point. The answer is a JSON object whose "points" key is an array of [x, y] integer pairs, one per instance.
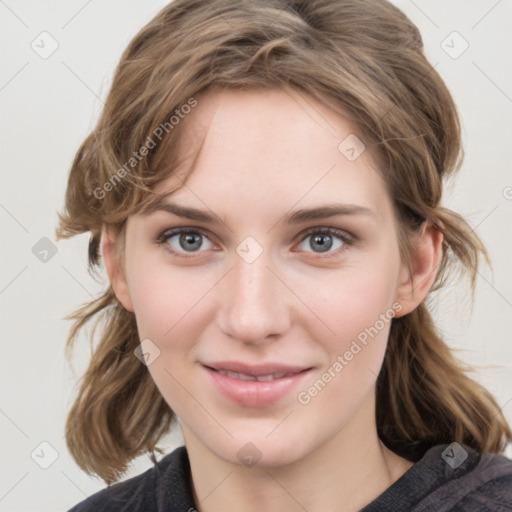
{"points": [[116, 273], [416, 280]]}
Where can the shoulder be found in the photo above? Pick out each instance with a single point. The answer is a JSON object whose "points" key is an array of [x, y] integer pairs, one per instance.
{"points": [[144, 492], [488, 486], [451, 478], [466, 480]]}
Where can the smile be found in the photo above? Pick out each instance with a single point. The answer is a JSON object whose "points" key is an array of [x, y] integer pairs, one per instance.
{"points": [[259, 378], [254, 385]]}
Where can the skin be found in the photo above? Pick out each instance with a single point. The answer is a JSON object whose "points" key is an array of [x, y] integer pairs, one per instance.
{"points": [[266, 153]]}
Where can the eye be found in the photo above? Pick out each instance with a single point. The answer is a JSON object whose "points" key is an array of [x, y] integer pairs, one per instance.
{"points": [[191, 242], [181, 241], [325, 240]]}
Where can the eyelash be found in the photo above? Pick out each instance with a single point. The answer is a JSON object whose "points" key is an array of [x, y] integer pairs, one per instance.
{"points": [[345, 238]]}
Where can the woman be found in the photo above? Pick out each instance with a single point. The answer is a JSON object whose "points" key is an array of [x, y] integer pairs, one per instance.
{"points": [[264, 184]]}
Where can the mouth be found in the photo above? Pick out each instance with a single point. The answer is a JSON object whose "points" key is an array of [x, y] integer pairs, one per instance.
{"points": [[259, 378], [260, 372], [254, 385]]}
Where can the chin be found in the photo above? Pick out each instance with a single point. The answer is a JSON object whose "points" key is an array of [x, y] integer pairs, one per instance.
{"points": [[262, 451]]}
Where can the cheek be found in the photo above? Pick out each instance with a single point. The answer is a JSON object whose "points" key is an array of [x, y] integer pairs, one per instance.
{"points": [[359, 310], [165, 299], [353, 299], [171, 310], [357, 306]]}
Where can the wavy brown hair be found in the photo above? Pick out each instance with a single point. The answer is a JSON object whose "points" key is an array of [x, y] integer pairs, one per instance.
{"points": [[365, 60]]}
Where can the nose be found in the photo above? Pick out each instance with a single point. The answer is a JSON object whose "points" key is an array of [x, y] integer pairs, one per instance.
{"points": [[254, 302]]}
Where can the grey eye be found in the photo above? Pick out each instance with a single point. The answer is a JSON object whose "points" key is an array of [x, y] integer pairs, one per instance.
{"points": [[321, 242], [188, 241]]}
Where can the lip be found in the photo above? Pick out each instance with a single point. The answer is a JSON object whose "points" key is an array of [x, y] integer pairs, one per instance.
{"points": [[255, 393]]}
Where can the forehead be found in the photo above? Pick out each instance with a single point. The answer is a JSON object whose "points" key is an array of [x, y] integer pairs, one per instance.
{"points": [[273, 149]]}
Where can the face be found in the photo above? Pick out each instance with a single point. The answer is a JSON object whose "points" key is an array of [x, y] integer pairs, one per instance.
{"points": [[267, 324]]}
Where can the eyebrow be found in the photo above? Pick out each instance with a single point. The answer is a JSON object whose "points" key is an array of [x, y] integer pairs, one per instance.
{"points": [[295, 217]]}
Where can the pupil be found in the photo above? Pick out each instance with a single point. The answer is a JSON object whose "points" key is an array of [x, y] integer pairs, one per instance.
{"points": [[322, 243]]}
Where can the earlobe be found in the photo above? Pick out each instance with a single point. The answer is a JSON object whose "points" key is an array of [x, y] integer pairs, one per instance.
{"points": [[116, 273], [417, 279]]}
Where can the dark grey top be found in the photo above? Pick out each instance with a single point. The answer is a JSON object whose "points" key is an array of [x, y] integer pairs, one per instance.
{"points": [[443, 480]]}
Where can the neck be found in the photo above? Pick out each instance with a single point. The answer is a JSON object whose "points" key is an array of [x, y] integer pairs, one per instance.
{"points": [[345, 473]]}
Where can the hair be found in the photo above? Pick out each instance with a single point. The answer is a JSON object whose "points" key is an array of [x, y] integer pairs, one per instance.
{"points": [[365, 60]]}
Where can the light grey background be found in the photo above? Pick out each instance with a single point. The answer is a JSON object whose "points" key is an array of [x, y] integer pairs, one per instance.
{"points": [[48, 105]]}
